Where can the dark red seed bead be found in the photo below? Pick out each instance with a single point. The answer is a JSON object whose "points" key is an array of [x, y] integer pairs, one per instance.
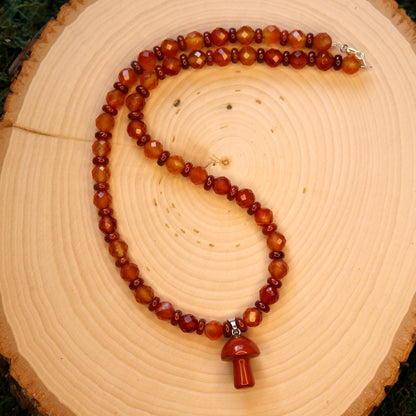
{"points": [[188, 323], [122, 261], [101, 186], [210, 58], [234, 55], [232, 35], [201, 326], [181, 42], [209, 182], [309, 40], [104, 135], [187, 169], [100, 160], [261, 55], [253, 208], [141, 141], [242, 326], [105, 211], [136, 283], [111, 237], [175, 318], [258, 35], [226, 329], [274, 282], [269, 228], [160, 72], [286, 58], [137, 67], [261, 306], [276, 255], [184, 61], [135, 115], [119, 86], [143, 91], [311, 58], [284, 36], [232, 193], [158, 52], [154, 304], [109, 109], [164, 156], [337, 62], [207, 39]]}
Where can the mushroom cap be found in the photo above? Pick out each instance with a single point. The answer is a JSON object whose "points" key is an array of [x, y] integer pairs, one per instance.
{"points": [[239, 346]]}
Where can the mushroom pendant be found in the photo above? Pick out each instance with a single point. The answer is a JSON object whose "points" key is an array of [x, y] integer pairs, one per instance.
{"points": [[239, 350]]}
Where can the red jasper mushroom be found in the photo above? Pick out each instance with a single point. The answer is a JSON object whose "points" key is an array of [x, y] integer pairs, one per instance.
{"points": [[240, 349]]}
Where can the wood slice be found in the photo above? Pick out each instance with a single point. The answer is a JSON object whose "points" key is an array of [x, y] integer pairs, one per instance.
{"points": [[332, 155]]}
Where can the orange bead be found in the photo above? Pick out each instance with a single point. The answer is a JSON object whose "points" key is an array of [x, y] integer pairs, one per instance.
{"points": [[245, 35], [104, 122], [165, 311], [171, 66], [278, 268], [127, 77], [149, 80], [153, 149], [115, 98], [197, 59], [271, 34], [169, 47], [219, 36], [245, 198], [322, 42], [101, 147], [324, 61], [147, 60], [276, 241], [350, 64], [118, 248], [221, 185], [136, 129], [107, 224], [297, 39], [198, 175], [175, 164], [273, 57], [101, 173], [222, 56], [263, 216], [102, 199], [248, 55], [194, 41], [252, 317], [129, 272], [188, 323], [144, 294], [269, 294], [298, 59], [135, 102], [213, 330]]}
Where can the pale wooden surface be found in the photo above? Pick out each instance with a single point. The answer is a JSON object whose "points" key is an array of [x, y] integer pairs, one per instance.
{"points": [[333, 156]]}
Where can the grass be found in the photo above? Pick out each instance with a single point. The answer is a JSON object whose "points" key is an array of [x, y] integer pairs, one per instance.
{"points": [[20, 21]]}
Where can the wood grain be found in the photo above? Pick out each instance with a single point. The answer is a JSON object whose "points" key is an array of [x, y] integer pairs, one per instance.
{"points": [[332, 155]]}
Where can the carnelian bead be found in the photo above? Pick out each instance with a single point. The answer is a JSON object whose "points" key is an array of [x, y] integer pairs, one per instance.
{"points": [[153, 149], [171, 66], [248, 55], [222, 56], [147, 60], [194, 41], [322, 42], [136, 129], [115, 98], [101, 173], [129, 272], [350, 64], [149, 80], [324, 61], [198, 175], [107, 224], [263, 216], [221, 185], [271, 34], [213, 330], [118, 248], [245, 35], [144, 294], [164, 311], [135, 102], [245, 198], [188, 323], [296, 39], [298, 59], [273, 57], [276, 241], [252, 317], [169, 47], [175, 164], [104, 122], [197, 59], [269, 294], [278, 268], [219, 36], [127, 77], [101, 148]]}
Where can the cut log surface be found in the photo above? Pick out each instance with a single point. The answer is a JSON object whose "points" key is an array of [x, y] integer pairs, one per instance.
{"points": [[334, 157]]}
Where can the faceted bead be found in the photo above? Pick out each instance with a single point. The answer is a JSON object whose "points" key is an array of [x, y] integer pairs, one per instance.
{"points": [[175, 164], [147, 60], [276, 241], [297, 39], [248, 55], [198, 175], [165, 311], [271, 34], [188, 323], [252, 317], [107, 224], [197, 59], [298, 59], [263, 216], [129, 272], [194, 41], [153, 149], [273, 57], [350, 64], [102, 199], [115, 98], [104, 122], [135, 102], [213, 330], [101, 173], [222, 56], [144, 294], [149, 80], [101, 148], [322, 42], [136, 129], [169, 47], [118, 248], [127, 77], [219, 36], [245, 35], [245, 198], [278, 268], [171, 66], [221, 185], [269, 294], [324, 61]]}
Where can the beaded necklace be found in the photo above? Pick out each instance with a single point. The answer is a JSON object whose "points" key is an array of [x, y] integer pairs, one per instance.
{"points": [[155, 65]]}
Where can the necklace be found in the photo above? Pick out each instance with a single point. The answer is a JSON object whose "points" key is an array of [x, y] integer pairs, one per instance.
{"points": [[169, 59]]}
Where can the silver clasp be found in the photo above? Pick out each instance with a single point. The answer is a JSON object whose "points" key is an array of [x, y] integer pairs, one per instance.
{"points": [[235, 330], [344, 48]]}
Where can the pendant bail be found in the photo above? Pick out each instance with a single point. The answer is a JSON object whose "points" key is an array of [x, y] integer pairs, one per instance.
{"points": [[235, 330]]}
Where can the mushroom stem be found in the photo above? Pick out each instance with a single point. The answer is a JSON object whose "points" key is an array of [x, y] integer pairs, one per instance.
{"points": [[243, 377]]}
